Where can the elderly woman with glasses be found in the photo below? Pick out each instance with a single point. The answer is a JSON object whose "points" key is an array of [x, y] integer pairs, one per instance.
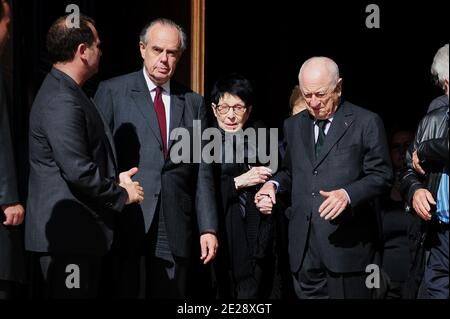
{"points": [[244, 266]]}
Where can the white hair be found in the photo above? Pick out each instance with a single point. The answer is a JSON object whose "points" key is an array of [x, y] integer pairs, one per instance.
{"points": [[143, 37], [439, 68], [328, 63]]}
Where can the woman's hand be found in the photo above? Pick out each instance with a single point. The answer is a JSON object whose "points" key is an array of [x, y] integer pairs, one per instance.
{"points": [[255, 176]]}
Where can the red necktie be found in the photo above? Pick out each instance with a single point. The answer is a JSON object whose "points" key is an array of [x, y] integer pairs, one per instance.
{"points": [[161, 114]]}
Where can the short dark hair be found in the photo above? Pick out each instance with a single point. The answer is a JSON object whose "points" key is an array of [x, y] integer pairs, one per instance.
{"points": [[234, 84], [2, 12], [63, 41]]}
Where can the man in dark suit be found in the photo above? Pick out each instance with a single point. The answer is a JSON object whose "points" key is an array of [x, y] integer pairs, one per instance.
{"points": [[142, 109], [73, 193], [336, 162], [12, 267]]}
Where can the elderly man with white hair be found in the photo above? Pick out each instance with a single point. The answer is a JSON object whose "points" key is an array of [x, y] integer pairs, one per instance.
{"points": [[336, 164]]}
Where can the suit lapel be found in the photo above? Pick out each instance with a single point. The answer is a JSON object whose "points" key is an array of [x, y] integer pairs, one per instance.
{"points": [[342, 120], [176, 110], [307, 135], [143, 101], [109, 137]]}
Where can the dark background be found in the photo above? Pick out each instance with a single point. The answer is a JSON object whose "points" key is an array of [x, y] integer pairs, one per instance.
{"points": [[386, 70]]}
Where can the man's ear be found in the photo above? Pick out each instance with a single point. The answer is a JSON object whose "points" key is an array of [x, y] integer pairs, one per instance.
{"points": [[81, 50], [142, 49], [339, 87]]}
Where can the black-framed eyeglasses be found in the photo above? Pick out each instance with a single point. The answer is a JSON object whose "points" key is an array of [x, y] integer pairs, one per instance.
{"points": [[223, 109]]}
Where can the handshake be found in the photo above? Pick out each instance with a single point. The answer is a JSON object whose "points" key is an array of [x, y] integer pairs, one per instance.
{"points": [[134, 190]]}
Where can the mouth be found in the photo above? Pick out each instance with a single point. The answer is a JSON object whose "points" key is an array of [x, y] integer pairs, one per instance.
{"points": [[231, 126], [163, 71]]}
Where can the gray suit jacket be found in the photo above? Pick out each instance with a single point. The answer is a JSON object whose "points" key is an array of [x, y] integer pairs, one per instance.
{"points": [[186, 190], [73, 194], [354, 157]]}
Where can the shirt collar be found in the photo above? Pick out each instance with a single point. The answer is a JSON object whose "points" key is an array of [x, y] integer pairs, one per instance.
{"points": [[329, 120], [151, 86]]}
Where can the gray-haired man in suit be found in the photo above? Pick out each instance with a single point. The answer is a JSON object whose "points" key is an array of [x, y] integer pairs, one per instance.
{"points": [[142, 108]]}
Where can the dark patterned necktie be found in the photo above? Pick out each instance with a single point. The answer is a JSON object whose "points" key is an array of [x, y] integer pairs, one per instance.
{"points": [[321, 137], [161, 114]]}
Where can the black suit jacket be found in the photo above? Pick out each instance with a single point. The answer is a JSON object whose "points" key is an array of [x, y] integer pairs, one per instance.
{"points": [[185, 190], [12, 262], [73, 195], [8, 182], [354, 157]]}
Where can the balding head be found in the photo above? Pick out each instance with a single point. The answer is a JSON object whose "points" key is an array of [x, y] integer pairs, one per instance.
{"points": [[319, 68], [63, 40], [321, 86]]}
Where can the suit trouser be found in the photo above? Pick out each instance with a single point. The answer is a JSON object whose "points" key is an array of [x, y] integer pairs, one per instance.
{"points": [[154, 274], [315, 281], [64, 276], [436, 271]]}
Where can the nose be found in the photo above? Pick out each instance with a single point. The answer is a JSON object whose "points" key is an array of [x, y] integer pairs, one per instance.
{"points": [[164, 56], [230, 115], [314, 101]]}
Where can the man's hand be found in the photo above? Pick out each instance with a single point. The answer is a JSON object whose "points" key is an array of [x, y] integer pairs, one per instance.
{"points": [[266, 198], [422, 199], [334, 204], [134, 190], [255, 176], [208, 245], [125, 177], [14, 214], [265, 205], [416, 164]]}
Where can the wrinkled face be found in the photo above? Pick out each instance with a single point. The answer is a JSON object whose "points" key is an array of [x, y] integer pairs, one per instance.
{"points": [[399, 145], [93, 53], [4, 25], [234, 119], [321, 94], [161, 53]]}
